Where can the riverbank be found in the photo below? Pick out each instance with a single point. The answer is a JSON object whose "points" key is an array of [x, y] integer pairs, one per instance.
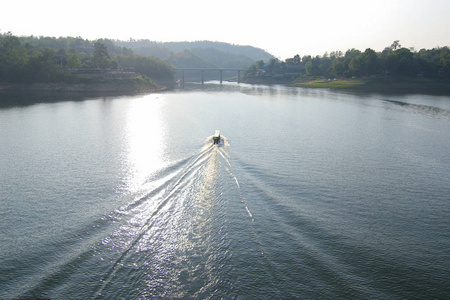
{"points": [[123, 85], [385, 84]]}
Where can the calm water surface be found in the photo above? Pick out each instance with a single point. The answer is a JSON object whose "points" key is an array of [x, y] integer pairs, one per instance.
{"points": [[311, 194]]}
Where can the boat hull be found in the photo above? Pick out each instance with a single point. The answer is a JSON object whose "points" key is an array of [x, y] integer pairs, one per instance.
{"points": [[216, 137]]}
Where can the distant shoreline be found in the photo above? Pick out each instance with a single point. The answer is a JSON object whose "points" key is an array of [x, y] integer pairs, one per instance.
{"points": [[382, 84]]}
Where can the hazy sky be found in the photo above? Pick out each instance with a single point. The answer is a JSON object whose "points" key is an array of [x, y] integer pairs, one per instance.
{"points": [[283, 27]]}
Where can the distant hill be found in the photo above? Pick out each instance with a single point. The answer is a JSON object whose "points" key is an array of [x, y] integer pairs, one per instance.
{"points": [[200, 53]]}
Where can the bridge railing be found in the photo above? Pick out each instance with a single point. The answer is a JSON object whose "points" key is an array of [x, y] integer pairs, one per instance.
{"points": [[202, 70]]}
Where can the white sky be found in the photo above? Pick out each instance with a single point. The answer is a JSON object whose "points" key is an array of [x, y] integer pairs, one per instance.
{"points": [[283, 27]]}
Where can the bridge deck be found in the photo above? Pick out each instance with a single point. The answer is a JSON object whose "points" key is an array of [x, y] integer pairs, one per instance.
{"points": [[210, 69]]}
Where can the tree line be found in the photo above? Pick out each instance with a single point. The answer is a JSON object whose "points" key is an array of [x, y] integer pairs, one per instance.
{"points": [[47, 59], [393, 60]]}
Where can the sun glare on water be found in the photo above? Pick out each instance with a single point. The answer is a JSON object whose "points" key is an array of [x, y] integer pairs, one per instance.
{"points": [[145, 140]]}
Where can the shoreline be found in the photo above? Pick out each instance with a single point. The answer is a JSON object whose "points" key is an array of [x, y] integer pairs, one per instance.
{"points": [[400, 85], [103, 87], [405, 85]]}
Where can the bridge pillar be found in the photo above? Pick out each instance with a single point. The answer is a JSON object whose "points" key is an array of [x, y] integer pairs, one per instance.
{"points": [[203, 81], [221, 76], [182, 78]]}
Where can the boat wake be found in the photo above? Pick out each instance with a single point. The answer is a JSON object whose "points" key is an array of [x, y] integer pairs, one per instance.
{"points": [[173, 238], [172, 232]]}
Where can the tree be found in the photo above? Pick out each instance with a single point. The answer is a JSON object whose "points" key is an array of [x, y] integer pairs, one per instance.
{"points": [[42, 66], [259, 64], [73, 61], [336, 54], [274, 66], [296, 60], [405, 61], [400, 62], [325, 64], [306, 58], [445, 60], [13, 57], [356, 66], [395, 45], [338, 67], [350, 53], [369, 62], [101, 57], [312, 67]]}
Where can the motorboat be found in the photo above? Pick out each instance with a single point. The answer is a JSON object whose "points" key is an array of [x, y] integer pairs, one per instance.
{"points": [[216, 137]]}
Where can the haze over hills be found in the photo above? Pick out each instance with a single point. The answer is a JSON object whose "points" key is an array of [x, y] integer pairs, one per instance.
{"points": [[201, 54], [198, 54]]}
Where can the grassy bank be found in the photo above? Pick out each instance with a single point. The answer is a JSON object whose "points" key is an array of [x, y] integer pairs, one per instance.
{"points": [[386, 84]]}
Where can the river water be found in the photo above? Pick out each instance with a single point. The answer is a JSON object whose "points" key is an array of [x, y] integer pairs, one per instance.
{"points": [[311, 194]]}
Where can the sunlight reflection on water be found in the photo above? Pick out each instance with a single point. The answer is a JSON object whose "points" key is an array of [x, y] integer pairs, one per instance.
{"points": [[145, 140]]}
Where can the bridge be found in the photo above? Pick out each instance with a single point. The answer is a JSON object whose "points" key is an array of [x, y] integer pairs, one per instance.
{"points": [[202, 70]]}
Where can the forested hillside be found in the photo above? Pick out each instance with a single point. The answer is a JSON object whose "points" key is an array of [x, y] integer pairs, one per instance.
{"points": [[74, 60], [199, 54]]}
